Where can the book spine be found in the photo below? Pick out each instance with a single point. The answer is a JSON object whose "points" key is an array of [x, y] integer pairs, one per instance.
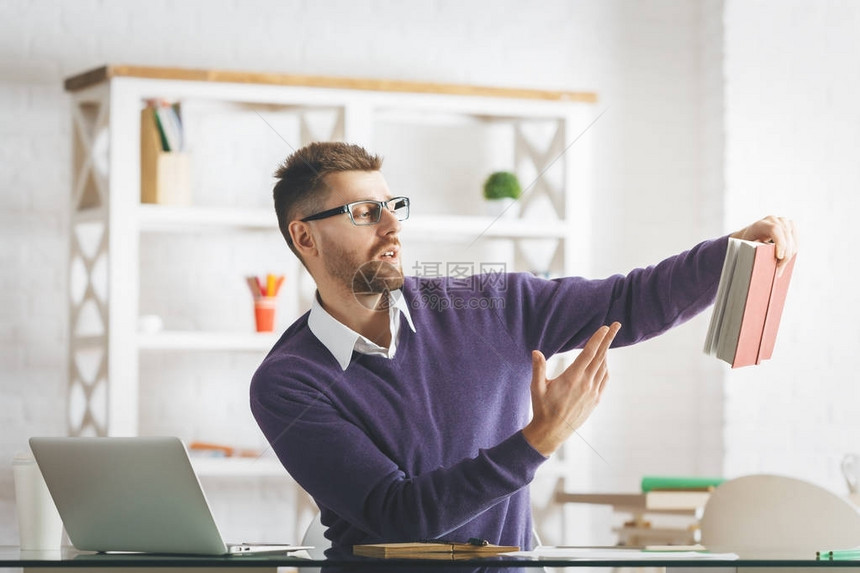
{"points": [[651, 483]]}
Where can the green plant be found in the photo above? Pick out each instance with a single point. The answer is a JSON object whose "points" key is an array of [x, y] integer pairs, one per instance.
{"points": [[501, 185]]}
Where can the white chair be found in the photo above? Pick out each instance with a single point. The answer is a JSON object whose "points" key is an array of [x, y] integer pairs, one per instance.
{"points": [[315, 537], [762, 516]]}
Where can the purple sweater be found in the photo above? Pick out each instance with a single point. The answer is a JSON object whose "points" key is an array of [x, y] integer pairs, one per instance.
{"points": [[429, 444]]}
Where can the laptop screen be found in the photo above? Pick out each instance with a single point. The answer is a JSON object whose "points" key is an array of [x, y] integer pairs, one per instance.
{"points": [[128, 494]]}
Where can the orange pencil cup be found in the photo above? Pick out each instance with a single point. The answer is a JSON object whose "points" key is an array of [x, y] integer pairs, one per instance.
{"points": [[264, 313]]}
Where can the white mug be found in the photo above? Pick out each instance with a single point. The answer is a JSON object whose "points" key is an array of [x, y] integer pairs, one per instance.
{"points": [[39, 523]]}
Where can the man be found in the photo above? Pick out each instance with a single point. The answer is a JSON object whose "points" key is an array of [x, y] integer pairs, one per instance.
{"points": [[402, 404]]}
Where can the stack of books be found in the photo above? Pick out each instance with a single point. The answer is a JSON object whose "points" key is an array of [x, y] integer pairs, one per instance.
{"points": [[750, 298], [666, 512], [671, 498]]}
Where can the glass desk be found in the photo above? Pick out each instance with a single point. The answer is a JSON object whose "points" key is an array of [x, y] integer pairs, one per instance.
{"points": [[70, 559]]}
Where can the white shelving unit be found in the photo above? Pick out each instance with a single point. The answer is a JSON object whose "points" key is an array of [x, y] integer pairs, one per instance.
{"points": [[109, 225], [166, 218], [216, 341]]}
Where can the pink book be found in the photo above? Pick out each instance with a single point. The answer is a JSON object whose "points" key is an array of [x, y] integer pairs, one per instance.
{"points": [[774, 311], [749, 304], [755, 308]]}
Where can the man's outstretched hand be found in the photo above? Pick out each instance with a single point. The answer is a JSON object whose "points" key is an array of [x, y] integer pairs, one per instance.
{"points": [[561, 405], [781, 231]]}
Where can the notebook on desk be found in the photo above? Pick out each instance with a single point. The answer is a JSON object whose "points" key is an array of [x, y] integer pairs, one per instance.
{"points": [[133, 494]]}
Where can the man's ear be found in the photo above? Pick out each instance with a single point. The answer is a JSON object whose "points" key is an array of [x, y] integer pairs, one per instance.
{"points": [[303, 240]]}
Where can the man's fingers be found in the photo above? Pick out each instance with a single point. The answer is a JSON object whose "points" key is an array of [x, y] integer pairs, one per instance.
{"points": [[538, 371], [781, 230], [605, 343], [781, 239], [608, 338], [789, 233], [595, 349], [591, 348], [602, 378], [598, 361]]}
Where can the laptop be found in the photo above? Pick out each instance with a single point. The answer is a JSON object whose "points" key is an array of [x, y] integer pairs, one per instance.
{"points": [[133, 495]]}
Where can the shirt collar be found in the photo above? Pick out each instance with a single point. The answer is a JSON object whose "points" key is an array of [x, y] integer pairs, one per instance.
{"points": [[338, 338]]}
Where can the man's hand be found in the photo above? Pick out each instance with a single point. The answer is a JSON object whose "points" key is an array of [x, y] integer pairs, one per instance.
{"points": [[562, 405], [780, 230]]}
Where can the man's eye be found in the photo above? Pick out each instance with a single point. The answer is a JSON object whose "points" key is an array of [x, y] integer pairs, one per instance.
{"points": [[363, 211]]}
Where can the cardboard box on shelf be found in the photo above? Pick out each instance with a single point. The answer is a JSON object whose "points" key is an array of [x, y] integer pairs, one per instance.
{"points": [[165, 177]]}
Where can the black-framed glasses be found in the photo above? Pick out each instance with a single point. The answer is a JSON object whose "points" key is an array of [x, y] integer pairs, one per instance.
{"points": [[366, 212]]}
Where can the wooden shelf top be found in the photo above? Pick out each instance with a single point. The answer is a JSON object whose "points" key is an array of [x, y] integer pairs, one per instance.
{"points": [[107, 72]]}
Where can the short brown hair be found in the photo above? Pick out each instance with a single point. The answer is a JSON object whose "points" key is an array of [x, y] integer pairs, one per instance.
{"points": [[301, 188]]}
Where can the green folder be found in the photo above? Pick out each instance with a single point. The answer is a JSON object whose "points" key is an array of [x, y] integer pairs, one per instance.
{"points": [[650, 483]]}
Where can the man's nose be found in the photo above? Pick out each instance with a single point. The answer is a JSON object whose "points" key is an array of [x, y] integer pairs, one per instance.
{"points": [[388, 222]]}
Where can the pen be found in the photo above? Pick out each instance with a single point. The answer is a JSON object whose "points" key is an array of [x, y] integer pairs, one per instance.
{"points": [[254, 286], [845, 554], [439, 540], [477, 542], [839, 555]]}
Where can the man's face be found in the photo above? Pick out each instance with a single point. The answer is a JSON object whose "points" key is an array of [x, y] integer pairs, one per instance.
{"points": [[364, 259]]}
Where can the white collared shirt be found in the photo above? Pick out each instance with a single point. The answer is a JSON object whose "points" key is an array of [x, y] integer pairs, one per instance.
{"points": [[341, 340]]}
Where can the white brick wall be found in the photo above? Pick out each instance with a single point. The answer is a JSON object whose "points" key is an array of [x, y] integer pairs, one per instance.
{"points": [[658, 173], [33, 254], [792, 146]]}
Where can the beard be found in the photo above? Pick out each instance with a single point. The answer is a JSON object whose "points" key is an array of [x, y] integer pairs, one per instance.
{"points": [[364, 277], [376, 277]]}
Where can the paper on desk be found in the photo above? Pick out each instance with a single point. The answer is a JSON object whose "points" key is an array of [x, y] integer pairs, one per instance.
{"points": [[620, 554]]}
